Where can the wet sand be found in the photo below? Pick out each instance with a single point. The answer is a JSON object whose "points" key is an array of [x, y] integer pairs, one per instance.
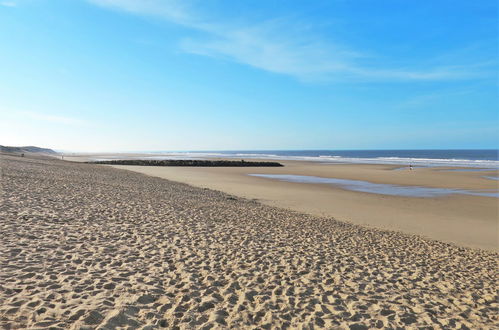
{"points": [[471, 221], [86, 247]]}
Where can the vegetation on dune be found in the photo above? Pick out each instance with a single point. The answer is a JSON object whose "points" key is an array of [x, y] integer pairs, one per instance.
{"points": [[26, 149]]}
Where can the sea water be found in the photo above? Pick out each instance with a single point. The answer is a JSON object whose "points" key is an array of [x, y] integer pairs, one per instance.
{"points": [[377, 188], [481, 158]]}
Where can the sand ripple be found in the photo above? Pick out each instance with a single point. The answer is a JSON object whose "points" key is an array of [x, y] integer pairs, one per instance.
{"points": [[86, 247]]}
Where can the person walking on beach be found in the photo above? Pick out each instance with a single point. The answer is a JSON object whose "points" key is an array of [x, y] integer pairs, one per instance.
{"points": [[410, 167]]}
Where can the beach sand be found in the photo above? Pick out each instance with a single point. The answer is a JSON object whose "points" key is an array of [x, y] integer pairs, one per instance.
{"points": [[87, 246], [471, 221]]}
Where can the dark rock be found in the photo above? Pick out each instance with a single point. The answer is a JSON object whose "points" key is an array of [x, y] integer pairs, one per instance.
{"points": [[188, 162]]}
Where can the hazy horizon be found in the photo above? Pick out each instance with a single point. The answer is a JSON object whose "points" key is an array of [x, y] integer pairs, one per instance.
{"points": [[252, 150]]}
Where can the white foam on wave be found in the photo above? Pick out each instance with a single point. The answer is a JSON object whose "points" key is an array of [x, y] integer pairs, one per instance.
{"points": [[374, 160], [422, 162]]}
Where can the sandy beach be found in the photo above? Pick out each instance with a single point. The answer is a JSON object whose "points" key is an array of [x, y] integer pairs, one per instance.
{"points": [[466, 220], [87, 246]]}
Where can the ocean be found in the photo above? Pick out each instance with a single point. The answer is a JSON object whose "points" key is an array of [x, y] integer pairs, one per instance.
{"points": [[482, 158]]}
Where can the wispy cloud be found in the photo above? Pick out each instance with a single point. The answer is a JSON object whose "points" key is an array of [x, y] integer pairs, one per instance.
{"points": [[279, 45], [53, 119], [8, 3], [419, 101], [263, 45]]}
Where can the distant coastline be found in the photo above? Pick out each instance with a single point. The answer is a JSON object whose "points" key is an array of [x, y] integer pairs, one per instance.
{"points": [[26, 149]]}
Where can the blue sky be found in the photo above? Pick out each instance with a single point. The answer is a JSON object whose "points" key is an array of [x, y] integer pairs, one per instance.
{"points": [[129, 75]]}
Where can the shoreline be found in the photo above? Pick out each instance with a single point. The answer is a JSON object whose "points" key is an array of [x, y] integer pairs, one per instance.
{"points": [[401, 158], [469, 221], [91, 246]]}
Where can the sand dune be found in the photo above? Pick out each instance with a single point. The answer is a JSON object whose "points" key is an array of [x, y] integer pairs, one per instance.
{"points": [[86, 247]]}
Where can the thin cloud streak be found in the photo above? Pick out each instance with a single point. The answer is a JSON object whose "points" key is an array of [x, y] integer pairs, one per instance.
{"points": [[8, 3], [53, 119], [281, 47]]}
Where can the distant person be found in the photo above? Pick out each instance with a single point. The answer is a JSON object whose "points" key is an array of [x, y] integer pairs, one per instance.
{"points": [[410, 167]]}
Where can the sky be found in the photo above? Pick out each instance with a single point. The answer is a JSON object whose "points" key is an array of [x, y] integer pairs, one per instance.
{"points": [[151, 75]]}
